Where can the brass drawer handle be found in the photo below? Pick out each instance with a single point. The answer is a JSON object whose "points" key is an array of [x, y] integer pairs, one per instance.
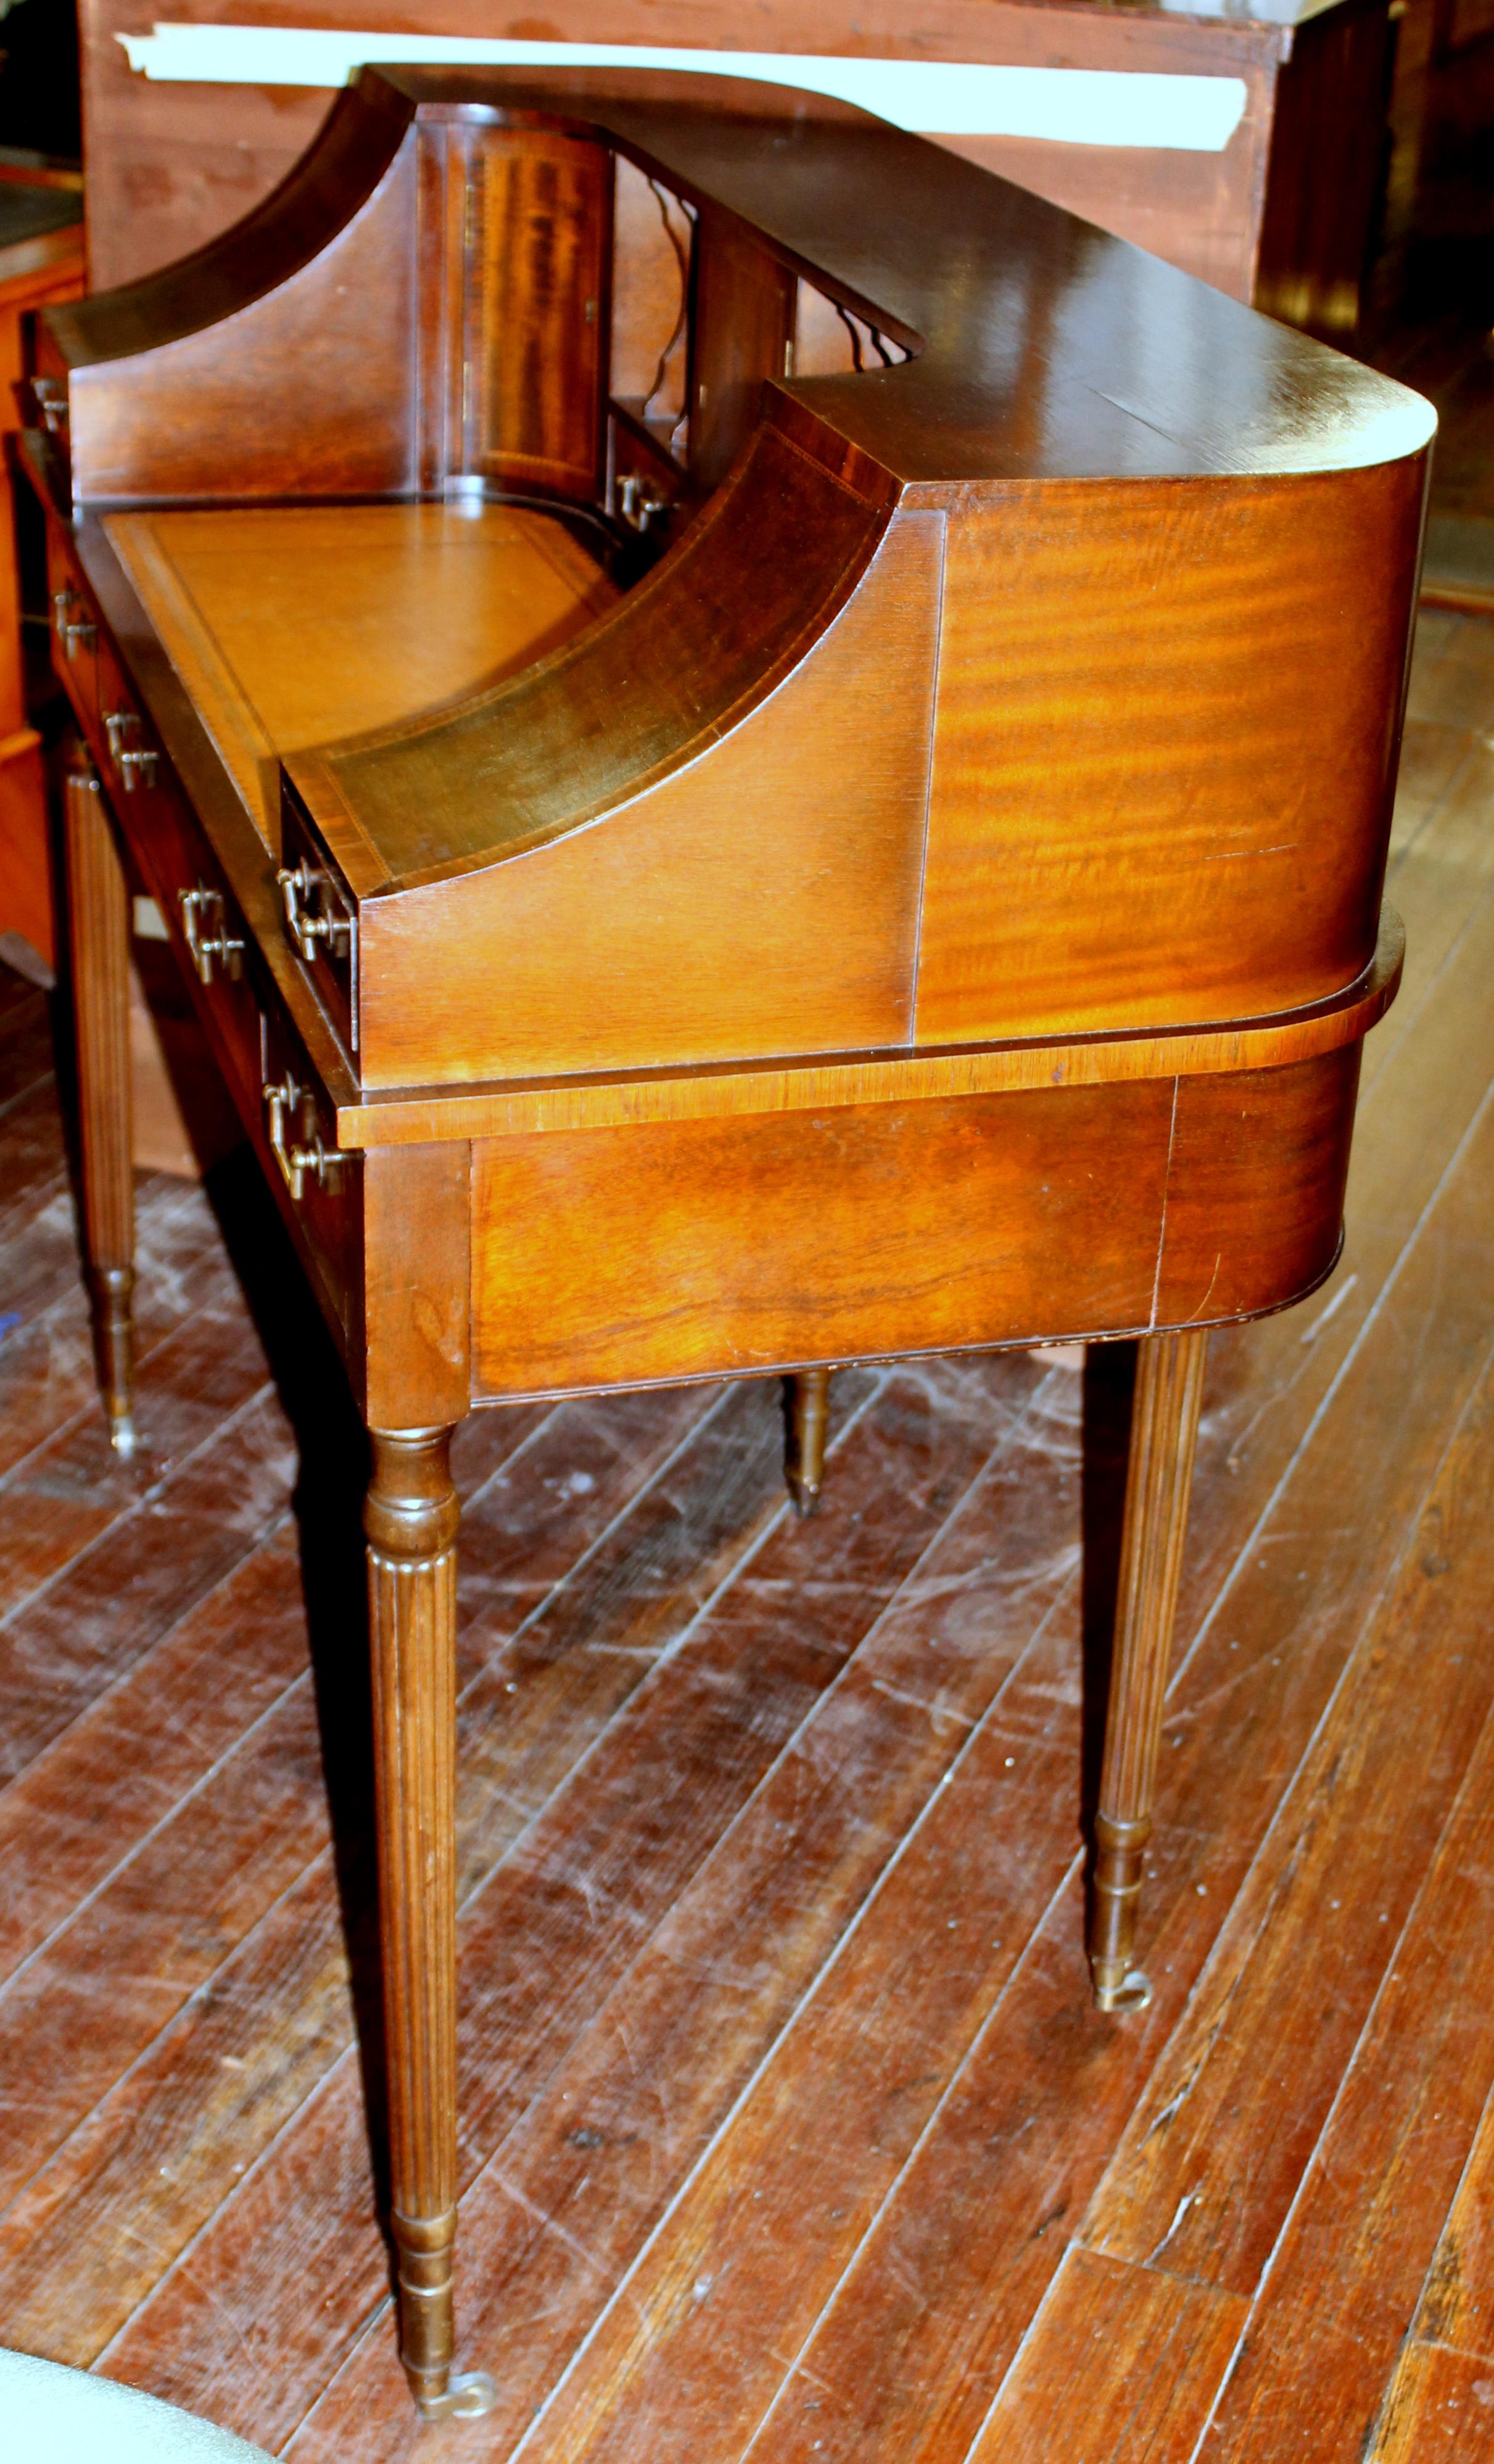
{"points": [[305, 920], [204, 927], [72, 629], [51, 405], [134, 762], [289, 1109], [639, 502]]}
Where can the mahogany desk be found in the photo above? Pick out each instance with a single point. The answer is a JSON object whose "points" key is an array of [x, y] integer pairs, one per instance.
{"points": [[693, 867]]}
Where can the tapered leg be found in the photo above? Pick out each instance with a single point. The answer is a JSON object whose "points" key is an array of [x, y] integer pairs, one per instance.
{"points": [[1164, 1430], [410, 1519], [99, 921], [809, 1427]]}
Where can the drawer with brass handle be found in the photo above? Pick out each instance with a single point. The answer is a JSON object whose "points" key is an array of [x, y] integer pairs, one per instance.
{"points": [[321, 919], [294, 1130], [179, 868], [212, 945], [135, 762], [131, 764], [75, 628], [323, 1185]]}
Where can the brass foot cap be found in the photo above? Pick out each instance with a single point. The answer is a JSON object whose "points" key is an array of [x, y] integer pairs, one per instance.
{"points": [[1132, 1993], [806, 1500], [464, 2397], [123, 1436]]}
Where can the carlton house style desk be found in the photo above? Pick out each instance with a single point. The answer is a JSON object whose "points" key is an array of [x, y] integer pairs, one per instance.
{"points": [[762, 751]]}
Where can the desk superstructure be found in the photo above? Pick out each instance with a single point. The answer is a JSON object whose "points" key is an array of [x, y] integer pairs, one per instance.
{"points": [[762, 751]]}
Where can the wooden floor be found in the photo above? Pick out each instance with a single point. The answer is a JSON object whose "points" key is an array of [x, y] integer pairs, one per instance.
{"points": [[789, 2131]]}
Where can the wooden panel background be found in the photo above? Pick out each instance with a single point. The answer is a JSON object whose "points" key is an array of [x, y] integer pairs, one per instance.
{"points": [[171, 165]]}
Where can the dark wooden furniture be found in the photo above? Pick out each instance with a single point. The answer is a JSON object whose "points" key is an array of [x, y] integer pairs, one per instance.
{"points": [[41, 264], [41, 261], [1282, 215], [694, 870]]}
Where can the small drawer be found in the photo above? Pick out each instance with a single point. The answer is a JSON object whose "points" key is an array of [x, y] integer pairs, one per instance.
{"points": [[321, 918], [74, 627], [323, 1186]]}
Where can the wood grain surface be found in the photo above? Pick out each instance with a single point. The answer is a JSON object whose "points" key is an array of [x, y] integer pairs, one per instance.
{"points": [[1209, 826], [699, 1248], [787, 2126], [300, 624]]}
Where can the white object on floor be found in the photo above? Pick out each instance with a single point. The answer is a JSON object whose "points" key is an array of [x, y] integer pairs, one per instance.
{"points": [[53, 2415]]}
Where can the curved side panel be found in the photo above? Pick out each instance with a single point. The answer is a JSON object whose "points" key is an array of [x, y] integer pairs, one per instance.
{"points": [[1165, 750], [683, 657], [332, 181], [762, 898], [307, 389]]}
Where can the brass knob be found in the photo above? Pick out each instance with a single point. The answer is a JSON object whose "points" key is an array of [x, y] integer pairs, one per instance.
{"points": [[307, 920], [201, 910], [52, 404], [639, 502], [294, 1136], [72, 629], [136, 764]]}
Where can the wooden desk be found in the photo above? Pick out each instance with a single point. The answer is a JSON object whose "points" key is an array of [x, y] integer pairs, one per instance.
{"points": [[869, 860]]}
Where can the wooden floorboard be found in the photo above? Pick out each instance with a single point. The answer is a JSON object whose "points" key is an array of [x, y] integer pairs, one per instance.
{"points": [[669, 1742], [1127, 2359], [789, 2132]]}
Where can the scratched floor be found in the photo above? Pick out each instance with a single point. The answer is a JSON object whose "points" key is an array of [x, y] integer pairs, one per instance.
{"points": [[788, 2129]]}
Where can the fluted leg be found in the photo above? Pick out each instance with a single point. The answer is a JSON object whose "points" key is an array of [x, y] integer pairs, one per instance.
{"points": [[410, 1519], [809, 1427], [1164, 1430], [99, 924]]}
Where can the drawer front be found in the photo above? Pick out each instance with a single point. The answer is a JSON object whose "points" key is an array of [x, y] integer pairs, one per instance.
{"points": [[321, 919], [319, 1188], [285, 1110], [74, 627], [212, 940]]}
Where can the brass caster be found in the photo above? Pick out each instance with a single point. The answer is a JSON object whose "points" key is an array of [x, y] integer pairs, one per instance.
{"points": [[809, 1410], [1132, 1993], [467, 2395]]}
